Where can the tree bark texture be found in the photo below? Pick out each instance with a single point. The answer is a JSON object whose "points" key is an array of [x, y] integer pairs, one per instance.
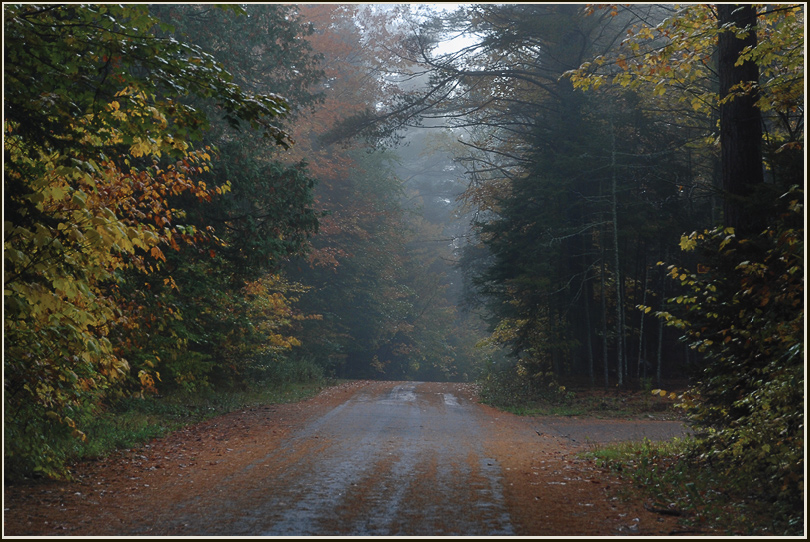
{"points": [[740, 119]]}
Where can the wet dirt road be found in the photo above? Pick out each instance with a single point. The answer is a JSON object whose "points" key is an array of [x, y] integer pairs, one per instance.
{"points": [[406, 461], [364, 458]]}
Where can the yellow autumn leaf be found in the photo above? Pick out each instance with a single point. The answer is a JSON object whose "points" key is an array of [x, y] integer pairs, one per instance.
{"points": [[687, 243]]}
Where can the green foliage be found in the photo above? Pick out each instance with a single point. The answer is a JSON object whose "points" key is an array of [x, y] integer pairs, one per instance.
{"points": [[702, 494], [743, 311], [384, 308], [670, 57], [69, 60], [76, 225], [742, 308], [130, 422], [515, 384], [265, 47], [674, 53], [230, 312], [98, 173], [267, 216], [291, 370], [208, 330], [543, 157]]}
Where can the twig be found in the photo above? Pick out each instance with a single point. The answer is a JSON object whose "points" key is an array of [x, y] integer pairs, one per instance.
{"points": [[665, 511]]}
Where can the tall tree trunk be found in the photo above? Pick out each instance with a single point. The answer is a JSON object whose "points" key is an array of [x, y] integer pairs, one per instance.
{"points": [[604, 318], [659, 358], [740, 120], [619, 301], [641, 359], [588, 334]]}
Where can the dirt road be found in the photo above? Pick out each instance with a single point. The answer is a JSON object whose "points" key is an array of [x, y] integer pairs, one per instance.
{"points": [[363, 459]]}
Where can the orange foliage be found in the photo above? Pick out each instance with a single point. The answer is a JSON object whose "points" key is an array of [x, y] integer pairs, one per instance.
{"points": [[353, 64]]}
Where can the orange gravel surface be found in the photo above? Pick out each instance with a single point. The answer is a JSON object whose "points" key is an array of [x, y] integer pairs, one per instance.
{"points": [[362, 458]]}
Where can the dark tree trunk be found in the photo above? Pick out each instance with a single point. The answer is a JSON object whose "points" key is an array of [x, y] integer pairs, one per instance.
{"points": [[740, 121], [588, 331], [604, 316], [641, 366]]}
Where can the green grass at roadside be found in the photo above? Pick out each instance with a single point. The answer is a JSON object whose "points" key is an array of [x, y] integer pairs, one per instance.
{"points": [[592, 403], [707, 498], [545, 409], [133, 421]]}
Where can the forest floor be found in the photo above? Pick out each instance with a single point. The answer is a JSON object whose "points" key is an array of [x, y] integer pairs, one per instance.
{"points": [[199, 479]]}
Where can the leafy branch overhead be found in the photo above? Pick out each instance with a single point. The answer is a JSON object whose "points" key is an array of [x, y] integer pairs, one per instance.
{"points": [[76, 58]]}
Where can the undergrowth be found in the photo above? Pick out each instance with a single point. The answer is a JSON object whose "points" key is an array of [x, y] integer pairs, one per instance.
{"points": [[133, 421], [708, 498], [582, 402], [125, 421]]}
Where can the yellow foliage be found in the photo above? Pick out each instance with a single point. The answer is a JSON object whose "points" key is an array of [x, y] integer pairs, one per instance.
{"points": [[688, 243], [96, 215], [269, 307]]}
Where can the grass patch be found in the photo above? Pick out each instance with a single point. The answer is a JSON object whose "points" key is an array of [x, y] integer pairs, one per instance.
{"points": [[708, 498], [542, 408], [593, 403], [130, 422]]}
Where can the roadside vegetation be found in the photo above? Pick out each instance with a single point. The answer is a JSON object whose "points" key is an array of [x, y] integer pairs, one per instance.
{"points": [[678, 477], [625, 403], [128, 422], [178, 222], [723, 305], [709, 498]]}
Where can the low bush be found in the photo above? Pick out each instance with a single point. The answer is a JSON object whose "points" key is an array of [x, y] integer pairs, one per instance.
{"points": [[127, 422], [708, 498]]}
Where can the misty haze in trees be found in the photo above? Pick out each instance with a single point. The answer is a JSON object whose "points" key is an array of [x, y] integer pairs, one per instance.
{"points": [[634, 187], [625, 163], [530, 196]]}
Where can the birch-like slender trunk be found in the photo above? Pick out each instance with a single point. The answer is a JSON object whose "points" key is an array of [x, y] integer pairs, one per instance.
{"points": [[604, 320], [641, 323], [619, 301], [587, 295]]}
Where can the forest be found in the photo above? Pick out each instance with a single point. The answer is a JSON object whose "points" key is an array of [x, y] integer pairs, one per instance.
{"points": [[533, 197]]}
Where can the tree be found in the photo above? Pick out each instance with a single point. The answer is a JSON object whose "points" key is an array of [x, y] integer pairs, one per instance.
{"points": [[506, 94], [380, 292], [738, 304], [98, 142], [540, 178], [740, 119], [762, 67], [264, 219], [267, 215], [742, 310]]}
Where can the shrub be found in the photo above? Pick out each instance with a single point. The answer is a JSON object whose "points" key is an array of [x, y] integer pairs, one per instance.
{"points": [[744, 311]]}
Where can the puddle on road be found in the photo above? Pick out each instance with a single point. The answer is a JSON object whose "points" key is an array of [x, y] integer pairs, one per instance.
{"points": [[392, 469], [402, 393], [450, 399]]}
